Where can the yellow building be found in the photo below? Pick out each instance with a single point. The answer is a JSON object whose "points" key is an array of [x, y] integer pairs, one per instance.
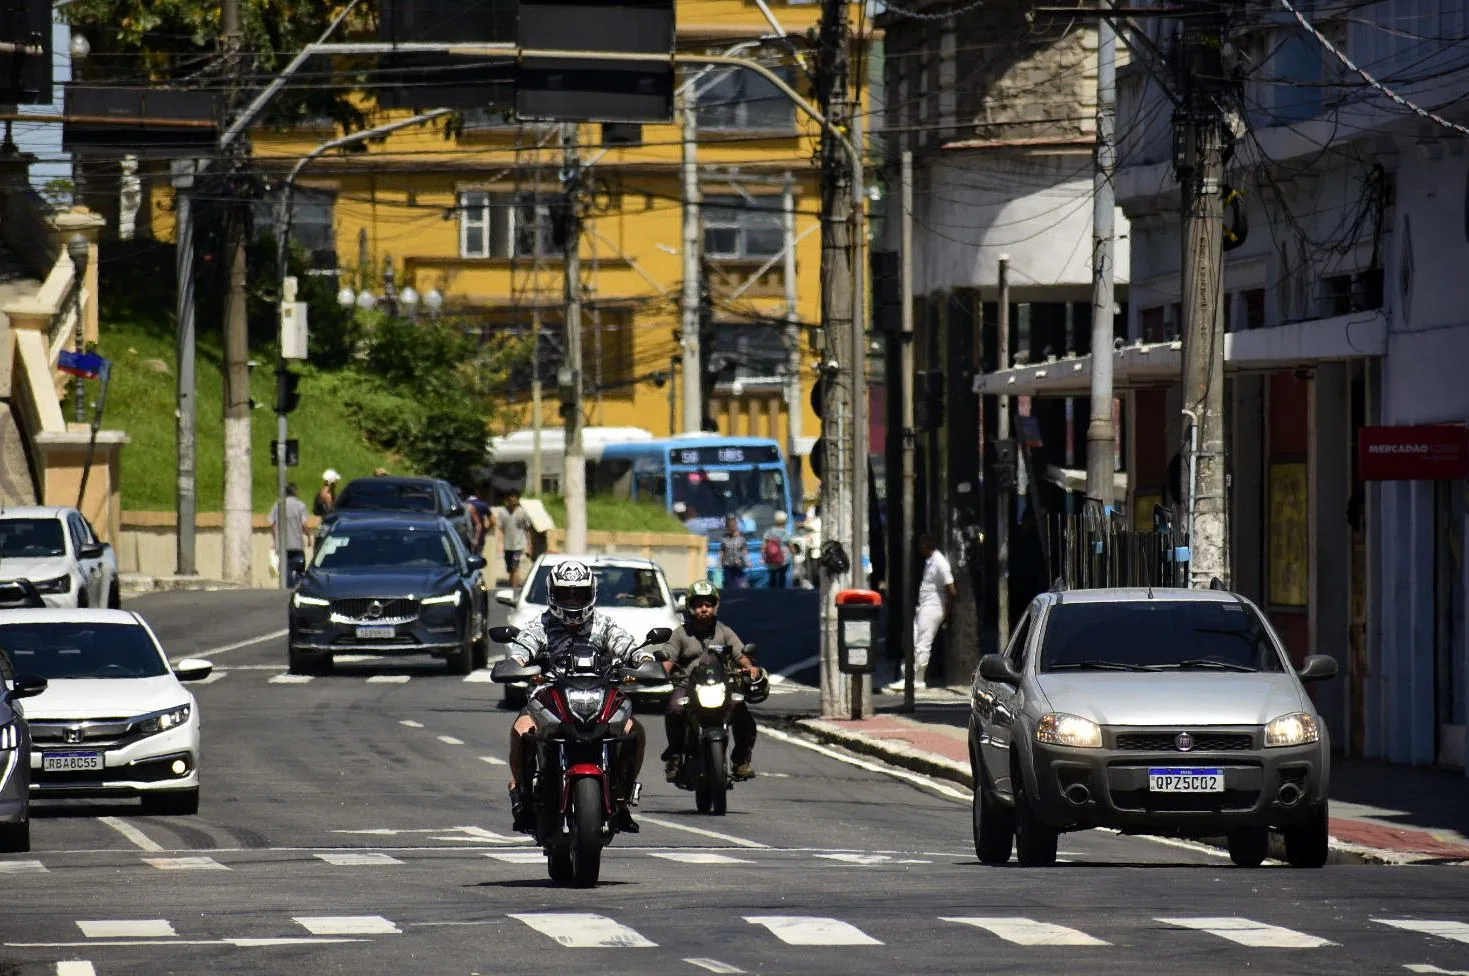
{"points": [[471, 220]]}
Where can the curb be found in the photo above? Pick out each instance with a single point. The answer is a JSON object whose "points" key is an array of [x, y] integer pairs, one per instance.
{"points": [[908, 757], [136, 583]]}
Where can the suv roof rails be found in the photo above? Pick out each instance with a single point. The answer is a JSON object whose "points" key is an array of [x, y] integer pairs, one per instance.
{"points": [[1216, 584]]}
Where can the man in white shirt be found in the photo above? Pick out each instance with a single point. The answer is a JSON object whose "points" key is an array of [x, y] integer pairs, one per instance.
{"points": [[935, 590]]}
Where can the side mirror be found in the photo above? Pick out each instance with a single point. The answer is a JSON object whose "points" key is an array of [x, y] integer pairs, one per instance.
{"points": [[476, 562], [93, 551], [507, 597], [26, 686], [507, 671], [994, 667], [681, 599], [192, 669], [504, 635], [456, 511], [1317, 667], [658, 635]]}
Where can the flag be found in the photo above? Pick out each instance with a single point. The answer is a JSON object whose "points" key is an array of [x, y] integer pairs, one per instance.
{"points": [[87, 365]]}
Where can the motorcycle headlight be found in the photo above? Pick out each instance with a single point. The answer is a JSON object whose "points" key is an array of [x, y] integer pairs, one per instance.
{"points": [[163, 721], [447, 600], [584, 702], [302, 600], [61, 584], [710, 696], [1060, 729], [9, 737], [1296, 729]]}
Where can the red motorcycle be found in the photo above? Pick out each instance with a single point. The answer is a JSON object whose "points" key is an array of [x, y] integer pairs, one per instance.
{"points": [[580, 711]]}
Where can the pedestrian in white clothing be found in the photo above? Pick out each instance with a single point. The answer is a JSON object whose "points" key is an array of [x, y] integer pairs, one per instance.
{"points": [[935, 590]]}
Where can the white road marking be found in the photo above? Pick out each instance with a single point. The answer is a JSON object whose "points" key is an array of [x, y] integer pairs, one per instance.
{"points": [[714, 965], [347, 925], [872, 859], [389, 679], [411, 724], [449, 740], [22, 867], [1458, 931], [133, 834], [1186, 845], [711, 834], [348, 859], [176, 942], [583, 930], [786, 672], [286, 678], [185, 863], [1256, 935], [214, 652], [1029, 932], [482, 836], [255, 943], [478, 677], [126, 928], [926, 782], [806, 930], [517, 857], [211, 678], [697, 857], [493, 760], [1423, 967], [75, 967]]}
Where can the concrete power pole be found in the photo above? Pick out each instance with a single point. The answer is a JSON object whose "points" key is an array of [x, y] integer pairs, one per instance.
{"points": [[838, 306], [900, 598], [238, 505], [1003, 519], [692, 252], [188, 405], [574, 472], [1200, 174], [792, 341], [1101, 439]]}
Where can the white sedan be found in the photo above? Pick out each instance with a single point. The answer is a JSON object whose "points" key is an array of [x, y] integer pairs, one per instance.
{"points": [[54, 548], [630, 589], [114, 720]]}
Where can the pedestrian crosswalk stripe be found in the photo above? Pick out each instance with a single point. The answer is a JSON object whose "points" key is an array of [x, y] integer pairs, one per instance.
{"points": [[1029, 932], [450, 740], [1458, 931], [807, 930], [347, 925], [517, 857], [357, 858], [75, 967], [22, 867], [872, 859], [698, 857], [492, 760], [1432, 970], [286, 678], [126, 928], [185, 863], [389, 679], [714, 966], [1246, 932], [478, 677], [583, 930]]}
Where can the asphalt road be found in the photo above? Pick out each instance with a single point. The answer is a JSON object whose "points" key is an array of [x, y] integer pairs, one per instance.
{"points": [[357, 823]]}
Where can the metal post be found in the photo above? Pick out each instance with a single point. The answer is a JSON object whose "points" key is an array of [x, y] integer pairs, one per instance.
{"points": [[282, 430], [188, 407], [1002, 432], [859, 451], [1101, 439], [901, 599], [794, 407], [574, 473], [692, 252]]}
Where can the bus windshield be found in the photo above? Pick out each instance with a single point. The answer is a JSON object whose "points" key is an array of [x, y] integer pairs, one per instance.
{"points": [[712, 494]]}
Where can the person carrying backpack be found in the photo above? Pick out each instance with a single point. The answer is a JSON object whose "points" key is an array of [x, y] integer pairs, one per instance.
{"points": [[775, 552]]}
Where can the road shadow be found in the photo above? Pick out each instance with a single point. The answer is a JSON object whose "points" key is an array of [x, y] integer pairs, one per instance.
{"points": [[543, 883], [89, 809]]}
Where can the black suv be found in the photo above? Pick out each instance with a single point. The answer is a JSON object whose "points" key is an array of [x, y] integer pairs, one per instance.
{"points": [[388, 493]]}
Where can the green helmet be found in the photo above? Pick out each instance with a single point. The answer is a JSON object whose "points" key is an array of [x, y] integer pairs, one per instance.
{"points": [[703, 590]]}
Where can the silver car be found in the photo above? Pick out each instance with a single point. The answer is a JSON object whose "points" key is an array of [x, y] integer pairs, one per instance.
{"points": [[1150, 711]]}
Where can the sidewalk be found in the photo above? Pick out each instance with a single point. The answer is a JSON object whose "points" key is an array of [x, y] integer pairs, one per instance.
{"points": [[135, 583], [1381, 814]]}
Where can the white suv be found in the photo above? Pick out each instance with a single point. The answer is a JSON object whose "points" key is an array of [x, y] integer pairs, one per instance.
{"points": [[55, 549]]}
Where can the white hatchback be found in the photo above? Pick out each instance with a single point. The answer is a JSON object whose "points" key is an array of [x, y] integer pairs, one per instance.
{"points": [[114, 720]]}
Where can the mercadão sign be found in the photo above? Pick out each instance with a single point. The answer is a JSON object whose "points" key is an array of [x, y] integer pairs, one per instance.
{"points": [[1432, 452]]}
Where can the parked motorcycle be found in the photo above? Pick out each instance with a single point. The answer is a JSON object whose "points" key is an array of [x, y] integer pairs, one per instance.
{"points": [[716, 685], [579, 709]]}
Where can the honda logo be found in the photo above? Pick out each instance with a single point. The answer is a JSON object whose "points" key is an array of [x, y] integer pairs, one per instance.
{"points": [[72, 733], [1185, 742]]}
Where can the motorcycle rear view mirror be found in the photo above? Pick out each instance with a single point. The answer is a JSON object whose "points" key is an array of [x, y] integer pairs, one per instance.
{"points": [[504, 635], [509, 671], [658, 635]]}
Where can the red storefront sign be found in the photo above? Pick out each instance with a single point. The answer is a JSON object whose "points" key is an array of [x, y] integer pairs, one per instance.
{"points": [[1435, 452]]}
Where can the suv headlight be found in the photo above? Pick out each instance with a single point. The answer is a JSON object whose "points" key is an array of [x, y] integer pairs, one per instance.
{"points": [[9, 737], [1061, 729], [61, 584], [1295, 729], [302, 600], [447, 600], [162, 721], [710, 696]]}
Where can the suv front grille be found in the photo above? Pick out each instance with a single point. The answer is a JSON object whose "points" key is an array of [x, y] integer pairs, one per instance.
{"points": [[375, 610], [1202, 741]]}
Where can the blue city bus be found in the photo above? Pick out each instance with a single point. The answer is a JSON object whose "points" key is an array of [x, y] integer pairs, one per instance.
{"points": [[704, 478]]}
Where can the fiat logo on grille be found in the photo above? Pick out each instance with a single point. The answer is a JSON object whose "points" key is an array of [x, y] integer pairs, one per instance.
{"points": [[374, 610], [1185, 742], [72, 733]]}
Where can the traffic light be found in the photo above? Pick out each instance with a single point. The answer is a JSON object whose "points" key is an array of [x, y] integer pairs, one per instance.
{"points": [[817, 457], [287, 397]]}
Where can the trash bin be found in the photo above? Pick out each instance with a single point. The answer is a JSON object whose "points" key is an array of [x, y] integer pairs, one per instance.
{"points": [[858, 612]]}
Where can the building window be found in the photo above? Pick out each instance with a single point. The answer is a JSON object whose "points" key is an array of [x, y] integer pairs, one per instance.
{"points": [[313, 222], [738, 227], [622, 134], [736, 99], [504, 225], [749, 354], [1160, 323], [1249, 310]]}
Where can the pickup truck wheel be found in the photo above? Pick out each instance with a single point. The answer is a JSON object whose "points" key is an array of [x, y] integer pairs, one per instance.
{"points": [[994, 825], [1035, 841], [1248, 847], [1306, 846]]}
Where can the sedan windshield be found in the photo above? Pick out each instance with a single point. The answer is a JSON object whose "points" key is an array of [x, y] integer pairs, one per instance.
{"points": [[71, 650], [617, 586], [350, 548], [31, 538], [1157, 635]]}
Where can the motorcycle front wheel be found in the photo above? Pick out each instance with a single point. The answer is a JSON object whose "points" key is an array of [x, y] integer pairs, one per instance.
{"points": [[586, 832], [712, 792]]}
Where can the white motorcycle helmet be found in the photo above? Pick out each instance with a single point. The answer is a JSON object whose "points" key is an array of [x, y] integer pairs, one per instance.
{"points": [[573, 592]]}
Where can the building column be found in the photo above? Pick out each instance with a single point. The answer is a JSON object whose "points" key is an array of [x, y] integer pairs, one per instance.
{"points": [[1330, 472]]}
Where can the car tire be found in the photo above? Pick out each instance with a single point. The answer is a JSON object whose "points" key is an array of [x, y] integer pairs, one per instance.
{"points": [[462, 661], [173, 803], [15, 838], [1035, 840], [994, 824], [1308, 843], [114, 596], [481, 653], [1248, 847]]}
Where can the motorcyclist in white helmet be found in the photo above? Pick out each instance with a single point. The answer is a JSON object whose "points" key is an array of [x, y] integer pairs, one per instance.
{"points": [[571, 614]]}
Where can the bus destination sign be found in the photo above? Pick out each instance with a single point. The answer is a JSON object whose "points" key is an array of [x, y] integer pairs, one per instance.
{"points": [[726, 454]]}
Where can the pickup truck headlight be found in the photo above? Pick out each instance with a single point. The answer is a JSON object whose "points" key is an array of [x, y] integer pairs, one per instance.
{"points": [[1061, 729], [302, 600], [1295, 729], [447, 600], [61, 584], [162, 721]]}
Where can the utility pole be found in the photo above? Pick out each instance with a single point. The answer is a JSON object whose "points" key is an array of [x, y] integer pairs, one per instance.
{"points": [[1002, 433], [574, 471], [692, 252], [1200, 174], [838, 306], [860, 454], [900, 597], [792, 341], [1101, 440], [238, 504], [534, 488], [188, 406]]}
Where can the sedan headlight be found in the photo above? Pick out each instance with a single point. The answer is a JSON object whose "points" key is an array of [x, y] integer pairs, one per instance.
{"points": [[1061, 729], [162, 721], [447, 600], [710, 696], [9, 737], [302, 600], [1295, 729], [61, 584]]}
